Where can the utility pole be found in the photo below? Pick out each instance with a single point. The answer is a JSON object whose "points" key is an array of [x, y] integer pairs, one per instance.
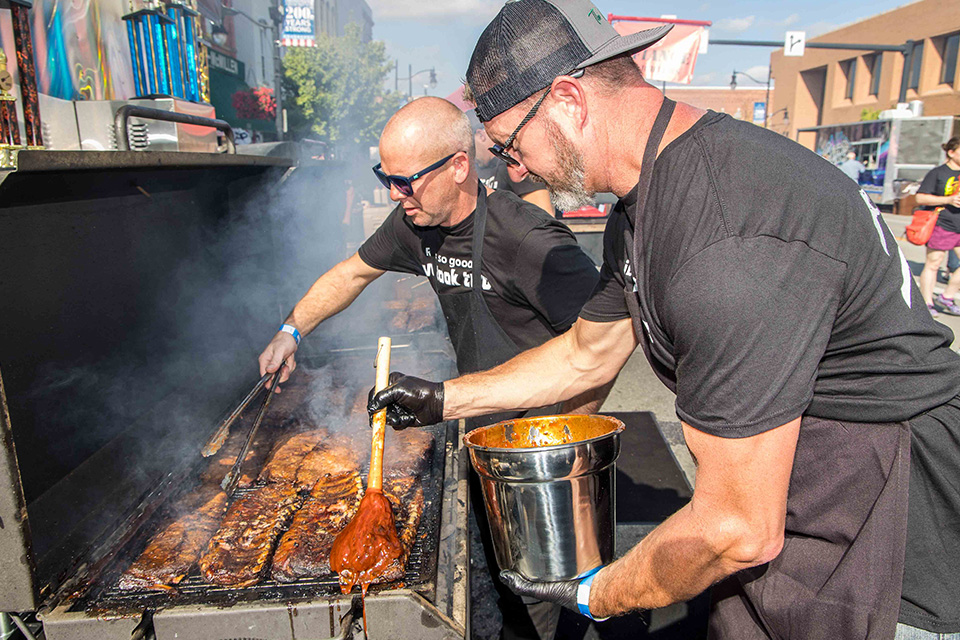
{"points": [[277, 78], [396, 75], [410, 80], [906, 49]]}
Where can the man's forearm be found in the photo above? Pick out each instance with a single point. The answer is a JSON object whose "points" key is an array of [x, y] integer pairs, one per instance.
{"points": [[930, 200], [675, 562], [557, 370], [333, 292]]}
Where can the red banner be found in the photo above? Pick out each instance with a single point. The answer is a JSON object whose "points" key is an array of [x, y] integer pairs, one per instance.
{"points": [[673, 58]]}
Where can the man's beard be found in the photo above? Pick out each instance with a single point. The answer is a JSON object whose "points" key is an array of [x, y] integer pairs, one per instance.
{"points": [[568, 191]]}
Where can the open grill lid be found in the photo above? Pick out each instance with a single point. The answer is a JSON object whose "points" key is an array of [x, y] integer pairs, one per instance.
{"points": [[102, 287]]}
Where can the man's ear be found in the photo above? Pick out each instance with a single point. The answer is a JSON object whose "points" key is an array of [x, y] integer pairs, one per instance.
{"points": [[461, 167], [570, 99]]}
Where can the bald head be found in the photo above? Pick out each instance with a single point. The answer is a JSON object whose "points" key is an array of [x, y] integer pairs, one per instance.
{"points": [[423, 131]]}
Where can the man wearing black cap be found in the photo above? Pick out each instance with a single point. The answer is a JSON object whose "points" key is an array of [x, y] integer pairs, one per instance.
{"points": [[497, 175], [817, 395]]}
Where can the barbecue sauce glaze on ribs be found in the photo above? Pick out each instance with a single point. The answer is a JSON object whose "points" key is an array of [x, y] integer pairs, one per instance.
{"points": [[172, 553], [238, 552]]}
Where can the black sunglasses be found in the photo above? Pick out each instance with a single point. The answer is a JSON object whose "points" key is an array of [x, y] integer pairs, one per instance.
{"points": [[500, 150], [404, 184]]}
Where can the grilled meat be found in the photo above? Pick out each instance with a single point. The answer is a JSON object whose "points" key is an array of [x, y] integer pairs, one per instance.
{"points": [[304, 550], [171, 554], [289, 454], [239, 551], [327, 459], [407, 453], [406, 497]]}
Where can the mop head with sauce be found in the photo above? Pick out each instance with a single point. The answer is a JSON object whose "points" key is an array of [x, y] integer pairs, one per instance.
{"points": [[368, 549]]}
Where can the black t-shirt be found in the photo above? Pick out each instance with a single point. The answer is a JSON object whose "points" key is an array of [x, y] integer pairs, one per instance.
{"points": [[494, 174], [944, 181], [776, 290], [535, 275]]}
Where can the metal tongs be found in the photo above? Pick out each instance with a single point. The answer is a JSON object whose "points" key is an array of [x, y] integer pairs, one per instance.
{"points": [[220, 435], [230, 481]]}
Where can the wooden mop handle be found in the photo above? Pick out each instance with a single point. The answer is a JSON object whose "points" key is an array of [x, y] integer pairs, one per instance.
{"points": [[375, 478]]}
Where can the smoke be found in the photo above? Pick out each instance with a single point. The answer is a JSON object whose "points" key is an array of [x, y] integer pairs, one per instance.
{"points": [[153, 328]]}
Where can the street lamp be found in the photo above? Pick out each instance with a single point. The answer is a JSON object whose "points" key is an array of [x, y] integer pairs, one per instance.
{"points": [[264, 26], [219, 35], [432, 83], [786, 116], [766, 104]]}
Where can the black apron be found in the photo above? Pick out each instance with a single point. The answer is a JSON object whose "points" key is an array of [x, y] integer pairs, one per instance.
{"points": [[841, 567], [478, 339]]}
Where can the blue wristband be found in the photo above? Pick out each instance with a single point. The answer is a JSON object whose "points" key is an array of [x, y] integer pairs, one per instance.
{"points": [[292, 330], [583, 593]]}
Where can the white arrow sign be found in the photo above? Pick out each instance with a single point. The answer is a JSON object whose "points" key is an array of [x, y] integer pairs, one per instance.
{"points": [[794, 43]]}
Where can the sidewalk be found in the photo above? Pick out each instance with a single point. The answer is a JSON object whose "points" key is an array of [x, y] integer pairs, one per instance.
{"points": [[915, 258]]}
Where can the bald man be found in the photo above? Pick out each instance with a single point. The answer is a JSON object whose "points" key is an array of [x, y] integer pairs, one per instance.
{"points": [[508, 276]]}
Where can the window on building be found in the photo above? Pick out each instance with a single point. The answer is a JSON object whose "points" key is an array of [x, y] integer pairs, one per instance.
{"points": [[948, 71], [916, 64], [875, 64], [849, 68]]}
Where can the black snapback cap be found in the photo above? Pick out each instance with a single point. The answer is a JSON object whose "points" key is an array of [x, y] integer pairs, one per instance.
{"points": [[531, 42]]}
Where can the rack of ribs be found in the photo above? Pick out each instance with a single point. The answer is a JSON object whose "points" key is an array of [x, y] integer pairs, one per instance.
{"points": [[406, 496], [304, 550], [172, 553], [407, 453], [239, 551], [331, 458], [289, 454]]}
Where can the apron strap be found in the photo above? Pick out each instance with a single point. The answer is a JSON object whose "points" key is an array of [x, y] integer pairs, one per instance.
{"points": [[479, 229], [649, 159]]}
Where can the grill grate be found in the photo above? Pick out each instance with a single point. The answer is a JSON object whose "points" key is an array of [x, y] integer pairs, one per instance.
{"points": [[419, 574]]}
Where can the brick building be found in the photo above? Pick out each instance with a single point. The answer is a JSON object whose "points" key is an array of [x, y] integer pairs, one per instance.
{"points": [[826, 86], [737, 102]]}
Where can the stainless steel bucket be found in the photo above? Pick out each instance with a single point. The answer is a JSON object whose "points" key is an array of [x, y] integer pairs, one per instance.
{"points": [[549, 487]]}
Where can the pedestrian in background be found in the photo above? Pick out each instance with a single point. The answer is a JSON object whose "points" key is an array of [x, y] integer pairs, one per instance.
{"points": [[852, 167], [941, 188]]}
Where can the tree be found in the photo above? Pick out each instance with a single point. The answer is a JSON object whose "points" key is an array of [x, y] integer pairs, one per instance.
{"points": [[334, 92]]}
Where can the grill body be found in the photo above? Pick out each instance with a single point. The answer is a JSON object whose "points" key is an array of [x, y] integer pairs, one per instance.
{"points": [[124, 339]]}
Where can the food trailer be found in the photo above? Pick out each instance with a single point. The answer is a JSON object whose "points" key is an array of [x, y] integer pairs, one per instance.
{"points": [[897, 152]]}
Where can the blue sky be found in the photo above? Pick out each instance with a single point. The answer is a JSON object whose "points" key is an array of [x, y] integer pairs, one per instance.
{"points": [[442, 33]]}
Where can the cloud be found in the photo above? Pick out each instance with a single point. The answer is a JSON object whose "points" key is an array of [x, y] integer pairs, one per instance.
{"points": [[759, 72], [700, 79], [791, 19], [704, 7], [735, 25], [476, 10]]}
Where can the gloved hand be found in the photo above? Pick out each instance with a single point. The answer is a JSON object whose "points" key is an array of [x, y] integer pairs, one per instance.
{"points": [[562, 592], [410, 402]]}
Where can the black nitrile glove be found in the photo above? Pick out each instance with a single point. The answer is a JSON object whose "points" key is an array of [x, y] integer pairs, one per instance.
{"points": [[410, 402], [563, 592]]}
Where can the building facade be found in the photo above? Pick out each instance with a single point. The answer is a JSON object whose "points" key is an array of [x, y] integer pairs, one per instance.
{"points": [[355, 12], [743, 103], [828, 86]]}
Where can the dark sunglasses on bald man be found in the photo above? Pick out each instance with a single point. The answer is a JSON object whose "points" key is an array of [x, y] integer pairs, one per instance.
{"points": [[404, 184]]}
